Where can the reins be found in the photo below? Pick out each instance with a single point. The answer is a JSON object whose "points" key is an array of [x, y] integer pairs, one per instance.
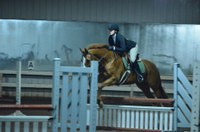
{"points": [[103, 57], [99, 60]]}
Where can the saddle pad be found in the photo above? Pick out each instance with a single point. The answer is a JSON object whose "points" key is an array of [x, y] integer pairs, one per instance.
{"points": [[141, 65], [126, 65]]}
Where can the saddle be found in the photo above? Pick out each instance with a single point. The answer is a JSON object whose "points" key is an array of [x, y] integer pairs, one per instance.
{"points": [[126, 62], [127, 65]]}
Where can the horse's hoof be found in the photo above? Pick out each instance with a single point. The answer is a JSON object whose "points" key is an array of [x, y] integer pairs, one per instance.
{"points": [[101, 104], [100, 85]]}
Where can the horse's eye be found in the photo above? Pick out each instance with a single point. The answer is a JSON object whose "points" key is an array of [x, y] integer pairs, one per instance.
{"points": [[88, 57]]}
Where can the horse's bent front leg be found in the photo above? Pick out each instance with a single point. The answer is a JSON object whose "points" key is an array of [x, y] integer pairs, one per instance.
{"points": [[99, 99], [108, 82]]}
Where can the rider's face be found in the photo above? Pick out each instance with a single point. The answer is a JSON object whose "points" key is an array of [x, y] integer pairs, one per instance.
{"points": [[112, 32]]}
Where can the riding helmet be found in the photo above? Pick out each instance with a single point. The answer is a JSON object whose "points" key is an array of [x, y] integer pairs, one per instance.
{"points": [[113, 26]]}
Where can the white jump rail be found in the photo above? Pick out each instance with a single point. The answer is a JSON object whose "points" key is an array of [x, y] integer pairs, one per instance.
{"points": [[23, 123]]}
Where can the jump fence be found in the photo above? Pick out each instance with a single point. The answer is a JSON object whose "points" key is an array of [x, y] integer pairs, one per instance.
{"points": [[72, 113], [186, 99], [18, 122], [24, 123]]}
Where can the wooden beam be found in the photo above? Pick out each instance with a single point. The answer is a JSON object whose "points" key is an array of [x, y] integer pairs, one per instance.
{"points": [[1, 79], [26, 107], [125, 129], [136, 101]]}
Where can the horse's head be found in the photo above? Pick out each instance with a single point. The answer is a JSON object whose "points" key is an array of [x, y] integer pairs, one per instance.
{"points": [[95, 52], [87, 57]]}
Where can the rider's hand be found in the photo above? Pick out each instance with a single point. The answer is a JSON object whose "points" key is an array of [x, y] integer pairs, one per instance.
{"points": [[110, 48]]}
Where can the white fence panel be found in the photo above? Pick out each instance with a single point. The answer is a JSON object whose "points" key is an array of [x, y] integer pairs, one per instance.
{"points": [[139, 117], [183, 99], [23, 123], [71, 112]]}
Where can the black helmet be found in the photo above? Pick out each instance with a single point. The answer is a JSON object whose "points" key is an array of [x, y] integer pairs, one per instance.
{"points": [[113, 26]]}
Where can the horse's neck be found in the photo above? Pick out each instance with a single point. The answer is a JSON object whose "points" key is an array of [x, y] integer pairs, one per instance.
{"points": [[110, 57], [105, 55]]}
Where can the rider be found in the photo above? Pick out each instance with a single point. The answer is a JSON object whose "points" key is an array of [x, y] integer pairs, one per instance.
{"points": [[118, 43]]}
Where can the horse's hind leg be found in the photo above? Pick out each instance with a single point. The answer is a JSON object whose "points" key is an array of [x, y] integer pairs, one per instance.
{"points": [[145, 89], [160, 92]]}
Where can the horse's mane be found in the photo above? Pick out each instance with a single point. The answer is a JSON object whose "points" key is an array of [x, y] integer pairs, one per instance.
{"points": [[97, 46], [104, 49]]}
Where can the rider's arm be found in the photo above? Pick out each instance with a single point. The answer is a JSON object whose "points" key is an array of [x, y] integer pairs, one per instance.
{"points": [[110, 41], [122, 44]]}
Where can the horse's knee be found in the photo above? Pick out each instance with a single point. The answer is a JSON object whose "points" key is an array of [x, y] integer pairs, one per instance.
{"points": [[99, 98], [100, 86], [100, 102]]}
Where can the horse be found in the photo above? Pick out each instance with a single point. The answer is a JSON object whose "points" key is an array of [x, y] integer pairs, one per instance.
{"points": [[111, 69]]}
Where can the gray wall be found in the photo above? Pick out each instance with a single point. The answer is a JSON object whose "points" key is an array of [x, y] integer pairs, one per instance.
{"points": [[41, 41], [167, 44], [123, 11]]}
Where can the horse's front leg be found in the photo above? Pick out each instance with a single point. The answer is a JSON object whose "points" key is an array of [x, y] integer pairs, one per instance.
{"points": [[110, 81]]}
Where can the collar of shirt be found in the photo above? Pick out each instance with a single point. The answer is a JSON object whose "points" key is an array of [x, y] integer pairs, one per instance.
{"points": [[114, 38]]}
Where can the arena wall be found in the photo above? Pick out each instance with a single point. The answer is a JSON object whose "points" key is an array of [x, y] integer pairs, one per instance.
{"points": [[41, 41]]}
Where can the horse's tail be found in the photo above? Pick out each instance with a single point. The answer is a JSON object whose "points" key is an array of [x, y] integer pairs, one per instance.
{"points": [[162, 92]]}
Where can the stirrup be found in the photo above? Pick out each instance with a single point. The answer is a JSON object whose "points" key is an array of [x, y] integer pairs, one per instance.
{"points": [[140, 78], [124, 77]]}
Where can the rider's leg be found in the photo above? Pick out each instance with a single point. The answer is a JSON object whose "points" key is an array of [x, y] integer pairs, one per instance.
{"points": [[133, 54], [139, 73]]}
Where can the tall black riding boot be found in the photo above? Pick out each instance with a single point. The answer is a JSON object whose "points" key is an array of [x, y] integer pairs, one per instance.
{"points": [[137, 70]]}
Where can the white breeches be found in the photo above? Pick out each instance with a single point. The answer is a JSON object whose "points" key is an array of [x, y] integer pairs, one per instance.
{"points": [[133, 53]]}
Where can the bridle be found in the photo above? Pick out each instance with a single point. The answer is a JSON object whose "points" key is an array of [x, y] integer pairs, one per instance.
{"points": [[94, 57]]}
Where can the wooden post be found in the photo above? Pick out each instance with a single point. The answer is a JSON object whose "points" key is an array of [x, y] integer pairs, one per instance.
{"points": [[93, 96], [176, 65], [18, 87], [55, 94], [131, 92], [195, 123], [1, 81]]}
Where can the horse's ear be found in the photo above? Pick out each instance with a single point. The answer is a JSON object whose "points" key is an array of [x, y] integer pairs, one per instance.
{"points": [[84, 51], [81, 50]]}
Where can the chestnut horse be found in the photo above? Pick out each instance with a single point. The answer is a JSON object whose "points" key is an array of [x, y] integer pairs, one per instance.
{"points": [[111, 69]]}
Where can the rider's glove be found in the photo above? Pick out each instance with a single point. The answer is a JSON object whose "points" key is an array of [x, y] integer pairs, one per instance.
{"points": [[110, 48]]}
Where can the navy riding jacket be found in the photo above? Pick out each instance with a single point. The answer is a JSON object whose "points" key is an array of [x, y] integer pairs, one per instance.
{"points": [[122, 44]]}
